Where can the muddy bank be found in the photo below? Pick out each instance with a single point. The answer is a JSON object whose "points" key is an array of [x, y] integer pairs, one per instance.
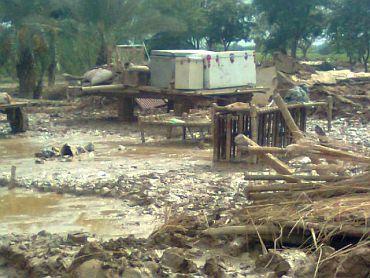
{"points": [[25, 211]]}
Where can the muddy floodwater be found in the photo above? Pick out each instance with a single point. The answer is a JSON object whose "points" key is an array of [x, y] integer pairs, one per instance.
{"points": [[23, 211]]}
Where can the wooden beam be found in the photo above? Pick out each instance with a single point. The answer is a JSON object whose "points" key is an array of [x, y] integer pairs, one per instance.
{"points": [[297, 133], [274, 162]]}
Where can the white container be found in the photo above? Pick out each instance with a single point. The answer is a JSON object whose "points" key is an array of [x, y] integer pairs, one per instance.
{"points": [[229, 69], [163, 68], [189, 73]]}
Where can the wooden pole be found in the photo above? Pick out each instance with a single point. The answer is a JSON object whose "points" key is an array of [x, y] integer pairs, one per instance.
{"points": [[330, 112], [294, 178], [229, 122], [126, 109], [254, 128], [259, 150], [215, 135], [296, 132], [274, 162]]}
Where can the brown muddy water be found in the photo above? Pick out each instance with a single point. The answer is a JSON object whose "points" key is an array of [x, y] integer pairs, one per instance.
{"points": [[29, 212]]}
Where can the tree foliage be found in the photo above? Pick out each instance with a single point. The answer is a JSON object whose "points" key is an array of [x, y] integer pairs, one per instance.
{"points": [[349, 29], [40, 37], [291, 21]]}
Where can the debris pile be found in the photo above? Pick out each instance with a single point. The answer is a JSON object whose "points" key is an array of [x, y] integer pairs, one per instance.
{"points": [[67, 151]]}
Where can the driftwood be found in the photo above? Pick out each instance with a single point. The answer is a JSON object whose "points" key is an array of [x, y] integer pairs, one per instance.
{"points": [[274, 162], [307, 148], [282, 187], [271, 232], [242, 230], [294, 177]]}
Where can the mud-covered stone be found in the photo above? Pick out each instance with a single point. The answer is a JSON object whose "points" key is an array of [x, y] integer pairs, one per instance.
{"points": [[174, 259], [273, 262]]}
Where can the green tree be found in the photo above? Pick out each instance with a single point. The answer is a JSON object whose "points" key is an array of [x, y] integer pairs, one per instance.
{"points": [[181, 24], [291, 21], [110, 21], [349, 29], [26, 25], [228, 21]]}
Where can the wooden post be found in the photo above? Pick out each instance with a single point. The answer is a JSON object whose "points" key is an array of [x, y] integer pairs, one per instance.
{"points": [[330, 111], [229, 122], [215, 134], [12, 183], [296, 132], [254, 128], [182, 106], [240, 131], [126, 109]]}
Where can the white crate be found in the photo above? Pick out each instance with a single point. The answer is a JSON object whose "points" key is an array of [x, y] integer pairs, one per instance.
{"points": [[229, 69]]}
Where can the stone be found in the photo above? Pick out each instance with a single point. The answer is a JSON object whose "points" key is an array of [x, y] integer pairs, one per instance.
{"points": [[273, 262], [213, 268], [91, 250], [39, 161], [121, 148], [68, 150], [78, 238], [81, 150], [175, 260], [89, 269], [135, 272], [90, 147]]}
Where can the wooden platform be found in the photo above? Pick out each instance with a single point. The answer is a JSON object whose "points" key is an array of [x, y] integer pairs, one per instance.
{"points": [[179, 100], [201, 124]]}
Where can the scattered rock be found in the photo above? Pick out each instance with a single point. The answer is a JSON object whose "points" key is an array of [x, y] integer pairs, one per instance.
{"points": [[273, 262], [89, 269], [68, 150], [90, 147], [214, 268], [175, 260], [78, 238]]}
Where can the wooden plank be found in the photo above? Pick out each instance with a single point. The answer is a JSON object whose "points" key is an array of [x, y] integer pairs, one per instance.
{"points": [[274, 162]]}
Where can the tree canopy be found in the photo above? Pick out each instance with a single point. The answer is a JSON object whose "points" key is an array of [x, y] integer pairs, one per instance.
{"points": [[41, 37]]}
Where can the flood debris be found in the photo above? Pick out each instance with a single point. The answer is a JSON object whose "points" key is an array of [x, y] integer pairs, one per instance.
{"points": [[66, 151]]}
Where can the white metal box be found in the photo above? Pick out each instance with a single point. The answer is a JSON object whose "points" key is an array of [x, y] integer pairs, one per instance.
{"points": [[229, 69], [168, 67], [189, 73]]}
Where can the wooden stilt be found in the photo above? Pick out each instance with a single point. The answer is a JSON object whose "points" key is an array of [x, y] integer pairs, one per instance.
{"points": [[126, 109], [228, 137]]}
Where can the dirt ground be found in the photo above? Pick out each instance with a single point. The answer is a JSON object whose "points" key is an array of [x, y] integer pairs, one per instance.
{"points": [[115, 196]]}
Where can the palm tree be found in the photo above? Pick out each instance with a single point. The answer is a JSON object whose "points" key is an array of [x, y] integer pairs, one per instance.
{"points": [[23, 20]]}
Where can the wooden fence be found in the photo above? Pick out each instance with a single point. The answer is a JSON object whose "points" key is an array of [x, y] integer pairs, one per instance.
{"points": [[266, 126]]}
